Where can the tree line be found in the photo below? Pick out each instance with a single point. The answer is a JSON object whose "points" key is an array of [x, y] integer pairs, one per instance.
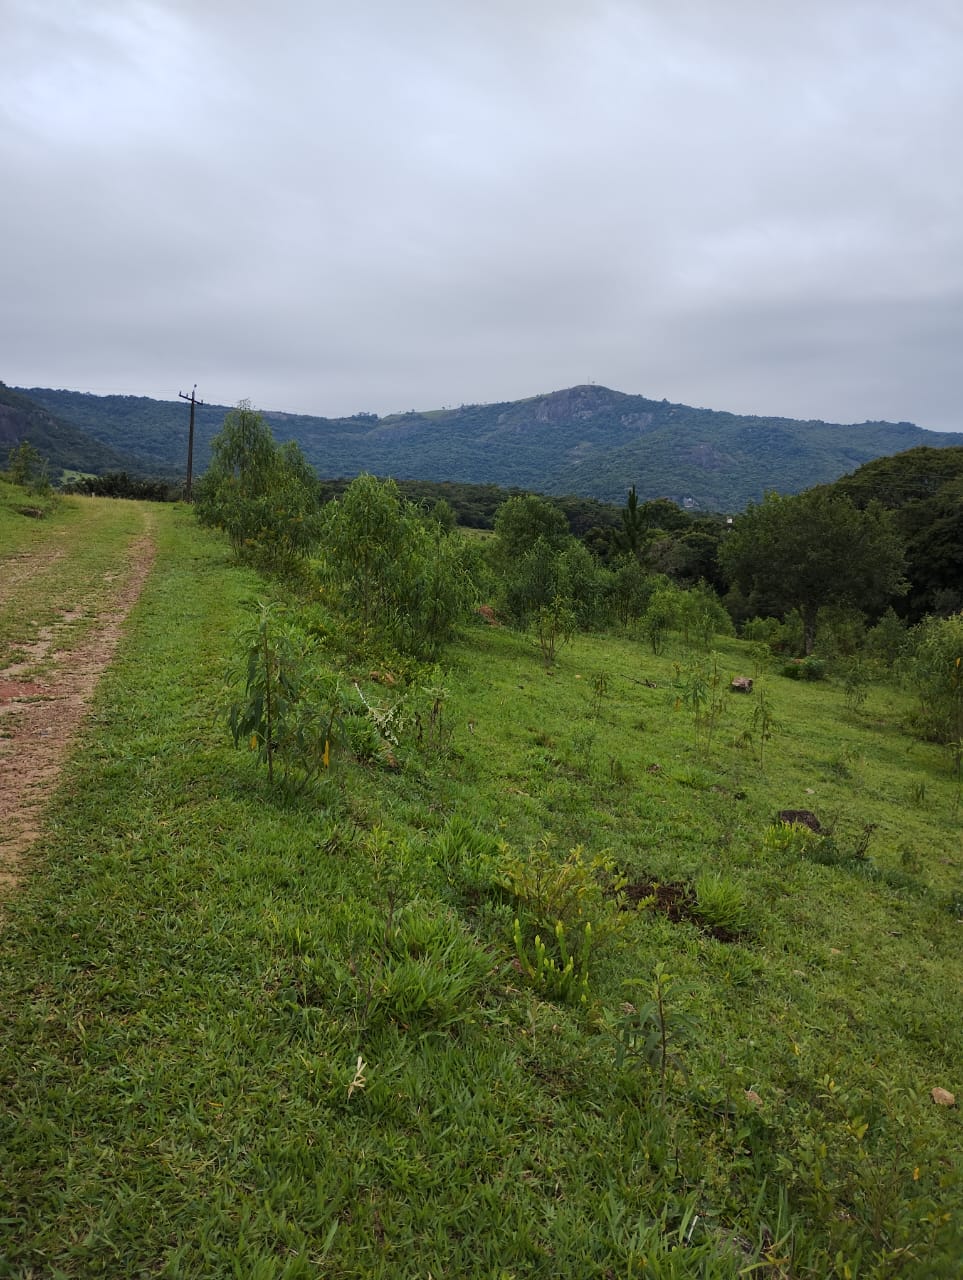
{"points": [[824, 571]]}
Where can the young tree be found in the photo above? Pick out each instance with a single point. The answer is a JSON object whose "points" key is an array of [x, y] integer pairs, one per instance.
{"points": [[634, 533], [264, 497], [524, 520], [400, 576], [810, 550]]}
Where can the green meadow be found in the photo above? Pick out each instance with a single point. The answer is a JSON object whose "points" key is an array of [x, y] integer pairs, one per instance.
{"points": [[539, 987]]}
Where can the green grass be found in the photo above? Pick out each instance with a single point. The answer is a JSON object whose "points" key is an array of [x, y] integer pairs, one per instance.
{"points": [[197, 963]]}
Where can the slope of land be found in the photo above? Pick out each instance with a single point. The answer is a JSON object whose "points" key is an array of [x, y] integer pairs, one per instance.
{"points": [[585, 440], [252, 1031]]}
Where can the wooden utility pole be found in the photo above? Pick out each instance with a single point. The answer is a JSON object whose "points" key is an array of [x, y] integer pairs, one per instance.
{"points": [[188, 495]]}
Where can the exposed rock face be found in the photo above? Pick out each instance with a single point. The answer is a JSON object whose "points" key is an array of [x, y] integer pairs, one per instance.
{"points": [[578, 403]]}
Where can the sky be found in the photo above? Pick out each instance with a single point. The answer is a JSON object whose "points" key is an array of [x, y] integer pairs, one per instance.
{"points": [[341, 206]]}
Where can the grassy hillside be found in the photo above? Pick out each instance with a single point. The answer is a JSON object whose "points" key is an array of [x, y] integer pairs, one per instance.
{"points": [[64, 446], [586, 440], [255, 1033]]}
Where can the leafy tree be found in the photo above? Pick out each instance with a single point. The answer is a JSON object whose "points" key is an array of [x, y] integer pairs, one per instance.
{"points": [[401, 576], [814, 549], [524, 520], [662, 615], [263, 496], [629, 589], [27, 467]]}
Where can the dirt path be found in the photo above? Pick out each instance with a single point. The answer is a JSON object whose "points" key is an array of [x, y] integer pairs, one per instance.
{"points": [[45, 694]]}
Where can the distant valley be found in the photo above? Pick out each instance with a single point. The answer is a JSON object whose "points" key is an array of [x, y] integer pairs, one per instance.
{"points": [[586, 440]]}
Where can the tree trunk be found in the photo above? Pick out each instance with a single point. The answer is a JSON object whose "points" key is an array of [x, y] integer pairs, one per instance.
{"points": [[809, 629]]}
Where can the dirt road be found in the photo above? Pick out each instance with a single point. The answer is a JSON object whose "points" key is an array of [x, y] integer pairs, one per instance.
{"points": [[46, 692]]}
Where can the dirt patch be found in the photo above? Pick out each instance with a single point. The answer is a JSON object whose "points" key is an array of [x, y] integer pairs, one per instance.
{"points": [[41, 714], [677, 902]]}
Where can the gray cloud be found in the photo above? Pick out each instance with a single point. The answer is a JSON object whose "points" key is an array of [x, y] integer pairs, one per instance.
{"points": [[378, 206]]}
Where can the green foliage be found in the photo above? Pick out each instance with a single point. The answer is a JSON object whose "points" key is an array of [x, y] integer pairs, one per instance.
{"points": [[762, 723], [559, 972], [291, 712], [793, 838], [400, 578], [432, 974], [700, 617], [583, 440], [810, 668], [554, 625], [655, 1033], [522, 522], [888, 641], [936, 675], [721, 902], [121, 484], [305, 1013], [702, 689], [661, 616], [263, 496], [578, 889], [634, 533], [857, 676], [811, 550], [27, 468], [542, 567], [629, 589]]}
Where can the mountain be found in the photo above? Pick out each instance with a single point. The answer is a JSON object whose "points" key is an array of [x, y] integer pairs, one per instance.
{"points": [[64, 446], [585, 440]]}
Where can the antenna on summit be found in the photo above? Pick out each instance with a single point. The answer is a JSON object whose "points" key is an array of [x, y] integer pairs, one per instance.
{"points": [[188, 496]]}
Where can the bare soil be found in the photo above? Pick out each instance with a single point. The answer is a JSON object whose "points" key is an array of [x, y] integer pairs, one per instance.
{"points": [[45, 695]]}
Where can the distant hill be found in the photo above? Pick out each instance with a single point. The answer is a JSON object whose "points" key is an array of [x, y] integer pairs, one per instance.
{"points": [[64, 446], [586, 440]]}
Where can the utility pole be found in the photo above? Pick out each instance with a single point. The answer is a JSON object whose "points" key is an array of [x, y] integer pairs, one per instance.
{"points": [[190, 443]]}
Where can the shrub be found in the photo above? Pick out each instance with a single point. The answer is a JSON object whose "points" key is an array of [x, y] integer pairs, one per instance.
{"points": [[405, 581], [804, 669], [936, 673]]}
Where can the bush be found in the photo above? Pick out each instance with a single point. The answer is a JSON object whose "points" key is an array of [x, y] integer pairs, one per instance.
{"points": [[936, 674], [406, 581], [804, 669]]}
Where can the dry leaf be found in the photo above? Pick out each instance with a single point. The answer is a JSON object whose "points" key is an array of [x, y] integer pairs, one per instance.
{"points": [[753, 1097]]}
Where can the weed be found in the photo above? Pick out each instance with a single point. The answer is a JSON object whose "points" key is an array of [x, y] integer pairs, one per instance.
{"points": [[721, 903], [563, 975], [793, 838]]}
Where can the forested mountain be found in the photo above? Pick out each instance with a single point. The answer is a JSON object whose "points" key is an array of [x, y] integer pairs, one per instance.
{"points": [[63, 445], [924, 490], [586, 440]]}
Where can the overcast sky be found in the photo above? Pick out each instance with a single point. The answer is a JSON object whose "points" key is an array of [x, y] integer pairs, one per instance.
{"points": [[327, 206]]}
